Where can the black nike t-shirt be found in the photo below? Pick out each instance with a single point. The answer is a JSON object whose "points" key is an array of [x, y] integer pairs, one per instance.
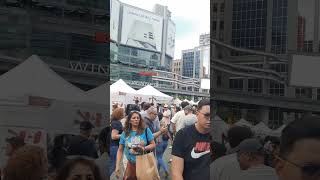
{"points": [[194, 148]]}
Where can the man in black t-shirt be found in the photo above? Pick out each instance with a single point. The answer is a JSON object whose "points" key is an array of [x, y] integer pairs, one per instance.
{"points": [[191, 148]]}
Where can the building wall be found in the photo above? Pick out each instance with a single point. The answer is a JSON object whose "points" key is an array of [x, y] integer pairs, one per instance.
{"points": [[290, 27]]}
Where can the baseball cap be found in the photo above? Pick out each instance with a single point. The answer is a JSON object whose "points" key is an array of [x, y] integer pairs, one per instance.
{"points": [[251, 145], [86, 125], [15, 141]]}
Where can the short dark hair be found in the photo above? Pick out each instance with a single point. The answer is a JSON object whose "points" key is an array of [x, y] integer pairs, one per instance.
{"points": [[146, 106], [306, 128], [104, 138], [203, 102], [184, 104], [237, 134]]}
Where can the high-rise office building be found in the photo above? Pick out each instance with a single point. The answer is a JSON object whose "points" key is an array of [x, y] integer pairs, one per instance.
{"points": [[141, 40], [65, 34], [204, 40], [268, 26], [193, 61]]}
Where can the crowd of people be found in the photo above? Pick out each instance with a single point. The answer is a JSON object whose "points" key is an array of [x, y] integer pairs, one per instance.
{"points": [[70, 157], [146, 128], [293, 156]]}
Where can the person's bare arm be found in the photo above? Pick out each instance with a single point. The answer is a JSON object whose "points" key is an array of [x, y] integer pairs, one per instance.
{"points": [[163, 130], [115, 134], [119, 157], [177, 168]]}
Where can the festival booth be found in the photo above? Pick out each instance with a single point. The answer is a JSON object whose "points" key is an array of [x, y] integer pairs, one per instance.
{"points": [[219, 128], [35, 102], [122, 93], [261, 130], [152, 95]]}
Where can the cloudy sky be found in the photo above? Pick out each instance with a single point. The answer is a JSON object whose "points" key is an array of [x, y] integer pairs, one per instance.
{"points": [[192, 18]]}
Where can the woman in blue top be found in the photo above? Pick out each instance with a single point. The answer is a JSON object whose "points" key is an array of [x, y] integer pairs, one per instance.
{"points": [[134, 140]]}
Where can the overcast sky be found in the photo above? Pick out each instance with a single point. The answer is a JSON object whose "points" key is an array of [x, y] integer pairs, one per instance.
{"points": [[192, 18]]}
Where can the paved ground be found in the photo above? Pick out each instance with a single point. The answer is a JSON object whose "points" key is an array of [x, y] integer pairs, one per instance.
{"points": [[166, 158]]}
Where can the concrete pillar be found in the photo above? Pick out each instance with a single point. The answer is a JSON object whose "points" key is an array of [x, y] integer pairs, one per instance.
{"points": [[264, 114]]}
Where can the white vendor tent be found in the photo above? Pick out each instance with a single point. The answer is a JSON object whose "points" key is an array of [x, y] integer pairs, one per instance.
{"points": [[261, 129], [243, 122], [100, 94], [219, 128], [278, 132], [35, 78], [148, 92], [121, 92]]}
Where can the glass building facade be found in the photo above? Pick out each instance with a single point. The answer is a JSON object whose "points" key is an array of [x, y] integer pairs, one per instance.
{"points": [[249, 24], [305, 35], [279, 27], [32, 35]]}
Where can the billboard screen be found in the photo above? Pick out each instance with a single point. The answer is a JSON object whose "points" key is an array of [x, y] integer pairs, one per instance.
{"points": [[114, 19], [171, 38], [141, 29], [304, 71]]}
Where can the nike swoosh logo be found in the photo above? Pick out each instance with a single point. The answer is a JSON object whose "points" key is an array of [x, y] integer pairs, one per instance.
{"points": [[195, 155]]}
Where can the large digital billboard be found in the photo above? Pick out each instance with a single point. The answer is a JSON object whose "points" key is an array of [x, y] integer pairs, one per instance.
{"points": [[114, 19], [141, 29], [171, 38]]}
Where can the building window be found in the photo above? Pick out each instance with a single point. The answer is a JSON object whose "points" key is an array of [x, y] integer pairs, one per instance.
{"points": [[248, 18], [219, 80], [281, 68], [305, 35], [276, 89], [236, 84], [255, 85], [303, 93], [275, 118], [279, 27]]}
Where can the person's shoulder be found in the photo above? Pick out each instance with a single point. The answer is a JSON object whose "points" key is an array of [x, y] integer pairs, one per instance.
{"points": [[227, 159]]}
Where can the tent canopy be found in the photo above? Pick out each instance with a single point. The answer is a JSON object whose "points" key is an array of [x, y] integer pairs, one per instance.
{"points": [[121, 86], [243, 122], [33, 77], [150, 91], [261, 129], [100, 94]]}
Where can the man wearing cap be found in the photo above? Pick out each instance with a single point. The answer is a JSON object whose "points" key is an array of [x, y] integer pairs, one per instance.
{"points": [[166, 114], [81, 144], [250, 155], [189, 118]]}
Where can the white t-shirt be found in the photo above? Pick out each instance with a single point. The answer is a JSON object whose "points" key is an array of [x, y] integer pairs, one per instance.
{"points": [[178, 120], [225, 168], [166, 116], [261, 172]]}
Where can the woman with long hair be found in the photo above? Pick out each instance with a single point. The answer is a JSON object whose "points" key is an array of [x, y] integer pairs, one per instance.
{"points": [[134, 140], [116, 130]]}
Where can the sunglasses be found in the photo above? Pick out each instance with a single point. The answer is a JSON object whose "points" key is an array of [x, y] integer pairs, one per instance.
{"points": [[206, 115], [309, 171]]}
